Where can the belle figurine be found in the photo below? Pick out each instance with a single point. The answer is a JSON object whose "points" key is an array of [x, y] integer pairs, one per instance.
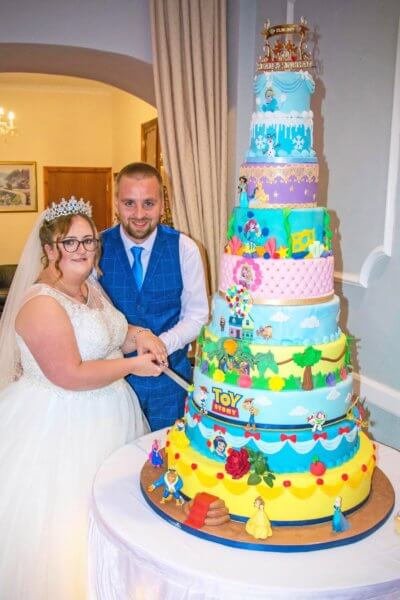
{"points": [[258, 525], [177, 435]]}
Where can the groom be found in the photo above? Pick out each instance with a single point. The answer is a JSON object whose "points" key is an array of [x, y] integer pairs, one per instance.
{"points": [[155, 276]]}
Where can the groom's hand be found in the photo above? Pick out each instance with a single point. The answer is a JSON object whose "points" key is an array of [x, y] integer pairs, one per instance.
{"points": [[146, 341]]}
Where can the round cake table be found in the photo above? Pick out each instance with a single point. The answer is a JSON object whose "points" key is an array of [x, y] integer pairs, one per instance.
{"points": [[136, 555]]}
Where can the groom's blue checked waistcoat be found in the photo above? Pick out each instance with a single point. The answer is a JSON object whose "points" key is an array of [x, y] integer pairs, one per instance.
{"points": [[157, 305]]}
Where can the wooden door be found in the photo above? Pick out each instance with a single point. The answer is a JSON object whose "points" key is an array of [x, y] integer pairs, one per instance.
{"points": [[91, 184]]}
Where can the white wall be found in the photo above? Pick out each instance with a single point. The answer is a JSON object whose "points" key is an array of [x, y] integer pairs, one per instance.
{"points": [[356, 47], [120, 26]]}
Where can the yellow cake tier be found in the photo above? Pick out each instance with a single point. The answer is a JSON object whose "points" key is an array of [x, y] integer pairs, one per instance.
{"points": [[294, 496], [333, 356]]}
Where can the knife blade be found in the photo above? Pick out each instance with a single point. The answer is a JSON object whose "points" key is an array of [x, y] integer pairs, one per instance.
{"points": [[178, 379]]}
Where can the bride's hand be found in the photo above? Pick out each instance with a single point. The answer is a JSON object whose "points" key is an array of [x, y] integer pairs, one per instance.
{"points": [[145, 365], [146, 341]]}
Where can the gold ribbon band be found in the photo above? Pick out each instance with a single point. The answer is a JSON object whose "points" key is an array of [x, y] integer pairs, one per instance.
{"points": [[288, 302]]}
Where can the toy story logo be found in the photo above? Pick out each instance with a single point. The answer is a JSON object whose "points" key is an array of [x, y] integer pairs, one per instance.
{"points": [[225, 403]]}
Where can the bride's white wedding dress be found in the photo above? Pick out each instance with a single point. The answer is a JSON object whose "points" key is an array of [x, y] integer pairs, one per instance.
{"points": [[52, 442]]}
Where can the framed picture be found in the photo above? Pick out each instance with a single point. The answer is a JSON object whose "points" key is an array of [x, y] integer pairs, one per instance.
{"points": [[18, 187]]}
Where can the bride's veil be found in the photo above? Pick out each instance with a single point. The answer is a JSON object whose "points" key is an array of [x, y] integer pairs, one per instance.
{"points": [[26, 274]]}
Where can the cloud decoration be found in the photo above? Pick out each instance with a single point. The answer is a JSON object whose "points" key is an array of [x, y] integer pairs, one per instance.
{"points": [[333, 394], [265, 401], [310, 323], [279, 317], [299, 411]]}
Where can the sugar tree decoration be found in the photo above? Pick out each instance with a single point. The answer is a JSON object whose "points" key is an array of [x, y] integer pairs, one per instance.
{"points": [[244, 354], [265, 361], [310, 357], [231, 227], [307, 359], [328, 230], [211, 348], [259, 469], [347, 357], [286, 224]]}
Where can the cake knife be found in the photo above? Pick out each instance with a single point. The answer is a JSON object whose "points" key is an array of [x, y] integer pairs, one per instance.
{"points": [[178, 379]]}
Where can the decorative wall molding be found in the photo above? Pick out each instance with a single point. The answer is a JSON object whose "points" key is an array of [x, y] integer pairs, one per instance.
{"points": [[384, 251], [379, 394]]}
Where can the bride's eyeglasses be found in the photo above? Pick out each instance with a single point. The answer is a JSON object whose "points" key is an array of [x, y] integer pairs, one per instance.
{"points": [[72, 244]]}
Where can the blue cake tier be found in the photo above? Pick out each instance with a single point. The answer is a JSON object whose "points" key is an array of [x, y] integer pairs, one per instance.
{"points": [[277, 410], [282, 126], [289, 233], [283, 91], [283, 325], [288, 450]]}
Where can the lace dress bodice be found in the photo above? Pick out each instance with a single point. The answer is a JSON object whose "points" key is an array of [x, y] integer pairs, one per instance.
{"points": [[100, 329]]}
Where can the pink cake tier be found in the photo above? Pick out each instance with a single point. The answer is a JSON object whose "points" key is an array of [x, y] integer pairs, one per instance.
{"points": [[288, 281], [281, 185]]}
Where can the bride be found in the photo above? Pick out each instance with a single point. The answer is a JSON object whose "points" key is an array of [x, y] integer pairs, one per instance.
{"points": [[65, 405]]}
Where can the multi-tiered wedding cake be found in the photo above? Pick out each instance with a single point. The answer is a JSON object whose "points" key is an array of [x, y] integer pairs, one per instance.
{"points": [[272, 412]]}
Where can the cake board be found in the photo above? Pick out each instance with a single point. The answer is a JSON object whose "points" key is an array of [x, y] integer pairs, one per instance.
{"points": [[363, 522]]}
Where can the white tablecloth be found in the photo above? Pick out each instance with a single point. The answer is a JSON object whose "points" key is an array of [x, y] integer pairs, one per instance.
{"points": [[134, 554]]}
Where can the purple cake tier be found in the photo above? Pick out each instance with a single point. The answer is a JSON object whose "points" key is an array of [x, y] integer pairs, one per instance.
{"points": [[280, 185]]}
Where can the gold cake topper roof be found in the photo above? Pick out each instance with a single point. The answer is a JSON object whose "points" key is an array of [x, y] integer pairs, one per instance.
{"points": [[287, 53]]}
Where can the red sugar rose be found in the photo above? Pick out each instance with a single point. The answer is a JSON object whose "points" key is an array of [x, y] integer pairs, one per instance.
{"points": [[237, 464]]}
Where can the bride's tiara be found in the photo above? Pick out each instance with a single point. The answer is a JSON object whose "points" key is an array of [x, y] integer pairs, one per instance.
{"points": [[73, 206]]}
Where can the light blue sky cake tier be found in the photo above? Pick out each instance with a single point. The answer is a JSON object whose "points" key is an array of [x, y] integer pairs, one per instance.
{"points": [[280, 325], [280, 232], [288, 449], [279, 410], [281, 128]]}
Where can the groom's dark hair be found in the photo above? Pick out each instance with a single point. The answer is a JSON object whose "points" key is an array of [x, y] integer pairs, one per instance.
{"points": [[141, 170]]}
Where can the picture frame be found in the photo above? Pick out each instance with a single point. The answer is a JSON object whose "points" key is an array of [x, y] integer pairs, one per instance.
{"points": [[18, 187]]}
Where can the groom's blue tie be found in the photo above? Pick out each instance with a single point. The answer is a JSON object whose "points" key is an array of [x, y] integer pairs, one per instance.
{"points": [[137, 267]]}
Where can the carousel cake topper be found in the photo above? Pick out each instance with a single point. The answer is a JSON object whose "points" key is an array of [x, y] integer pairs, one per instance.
{"points": [[288, 53]]}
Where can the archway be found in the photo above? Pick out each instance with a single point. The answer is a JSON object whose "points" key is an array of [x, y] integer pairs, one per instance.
{"points": [[124, 72]]}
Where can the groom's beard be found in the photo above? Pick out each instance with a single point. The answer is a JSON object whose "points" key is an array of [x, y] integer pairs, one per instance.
{"points": [[139, 230]]}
